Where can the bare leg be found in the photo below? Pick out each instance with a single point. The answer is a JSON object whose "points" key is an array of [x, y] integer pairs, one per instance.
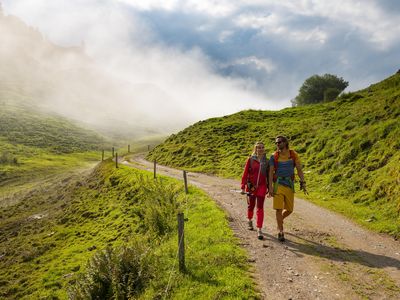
{"points": [[286, 213], [279, 219]]}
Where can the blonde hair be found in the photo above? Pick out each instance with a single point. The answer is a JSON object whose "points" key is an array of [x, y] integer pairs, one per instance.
{"points": [[255, 147]]}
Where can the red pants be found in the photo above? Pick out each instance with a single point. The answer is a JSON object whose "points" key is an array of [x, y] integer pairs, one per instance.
{"points": [[251, 203]]}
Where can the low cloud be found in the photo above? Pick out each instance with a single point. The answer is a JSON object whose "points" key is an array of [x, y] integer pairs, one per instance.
{"points": [[126, 76], [198, 60]]}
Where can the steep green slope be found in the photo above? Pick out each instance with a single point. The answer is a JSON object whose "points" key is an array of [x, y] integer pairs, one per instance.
{"points": [[35, 144], [349, 148], [20, 125]]}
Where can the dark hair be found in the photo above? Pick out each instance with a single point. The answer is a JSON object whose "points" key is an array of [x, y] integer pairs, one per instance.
{"points": [[283, 139]]}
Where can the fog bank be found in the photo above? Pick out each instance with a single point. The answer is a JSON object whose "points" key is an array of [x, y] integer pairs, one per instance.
{"points": [[101, 66]]}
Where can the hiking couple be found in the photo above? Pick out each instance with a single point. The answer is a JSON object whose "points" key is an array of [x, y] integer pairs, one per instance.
{"points": [[274, 178]]}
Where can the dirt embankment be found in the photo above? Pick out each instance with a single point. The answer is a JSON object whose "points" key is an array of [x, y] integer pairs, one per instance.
{"points": [[325, 256]]}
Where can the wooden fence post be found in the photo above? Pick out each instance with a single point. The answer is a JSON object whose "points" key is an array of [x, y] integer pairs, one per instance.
{"points": [[116, 160], [181, 241], [185, 181], [129, 148], [155, 167], [112, 151], [102, 155]]}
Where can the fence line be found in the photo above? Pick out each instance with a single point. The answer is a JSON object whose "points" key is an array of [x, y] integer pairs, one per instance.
{"points": [[180, 254], [185, 181]]}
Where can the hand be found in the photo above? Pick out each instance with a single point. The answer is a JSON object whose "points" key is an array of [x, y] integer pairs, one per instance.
{"points": [[243, 192], [303, 187]]}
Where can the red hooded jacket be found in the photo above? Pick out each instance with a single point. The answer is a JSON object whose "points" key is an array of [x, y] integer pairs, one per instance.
{"points": [[253, 174]]}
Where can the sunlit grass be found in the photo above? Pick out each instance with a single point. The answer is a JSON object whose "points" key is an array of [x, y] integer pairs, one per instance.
{"points": [[108, 209], [35, 164], [350, 149]]}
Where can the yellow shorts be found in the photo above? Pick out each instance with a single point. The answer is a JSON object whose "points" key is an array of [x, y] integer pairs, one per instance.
{"points": [[284, 198]]}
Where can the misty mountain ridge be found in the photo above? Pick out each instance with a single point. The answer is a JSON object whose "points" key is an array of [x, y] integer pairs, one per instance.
{"points": [[66, 81]]}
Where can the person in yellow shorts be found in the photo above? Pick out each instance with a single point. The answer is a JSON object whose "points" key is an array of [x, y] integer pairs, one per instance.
{"points": [[281, 181]]}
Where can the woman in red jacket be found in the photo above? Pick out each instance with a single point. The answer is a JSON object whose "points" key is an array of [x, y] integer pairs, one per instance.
{"points": [[255, 184]]}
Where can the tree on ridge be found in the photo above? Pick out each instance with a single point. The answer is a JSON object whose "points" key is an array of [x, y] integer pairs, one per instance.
{"points": [[316, 89]]}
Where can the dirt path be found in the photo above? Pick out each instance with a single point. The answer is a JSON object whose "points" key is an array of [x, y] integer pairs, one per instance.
{"points": [[325, 255]]}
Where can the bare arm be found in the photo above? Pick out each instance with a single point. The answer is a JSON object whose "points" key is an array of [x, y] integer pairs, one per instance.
{"points": [[301, 176], [270, 184], [299, 171]]}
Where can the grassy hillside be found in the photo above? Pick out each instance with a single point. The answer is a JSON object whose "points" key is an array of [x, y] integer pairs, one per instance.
{"points": [[34, 144], [113, 232], [349, 149], [25, 126]]}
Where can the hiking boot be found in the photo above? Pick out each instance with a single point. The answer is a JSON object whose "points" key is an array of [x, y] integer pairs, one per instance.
{"points": [[250, 225], [281, 237], [259, 234]]}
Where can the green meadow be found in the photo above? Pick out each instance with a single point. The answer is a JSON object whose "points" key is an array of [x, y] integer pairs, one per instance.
{"points": [[74, 227], [113, 234], [35, 146], [349, 150]]}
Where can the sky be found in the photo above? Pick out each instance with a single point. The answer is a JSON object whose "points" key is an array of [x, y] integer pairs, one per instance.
{"points": [[212, 58]]}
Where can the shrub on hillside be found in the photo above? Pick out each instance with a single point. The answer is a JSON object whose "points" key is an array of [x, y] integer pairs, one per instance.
{"points": [[121, 273]]}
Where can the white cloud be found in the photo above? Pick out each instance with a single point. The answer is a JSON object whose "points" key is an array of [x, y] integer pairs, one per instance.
{"points": [[169, 5], [374, 24], [260, 64], [215, 8], [377, 26], [257, 21], [274, 24], [211, 8], [225, 35], [316, 34]]}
